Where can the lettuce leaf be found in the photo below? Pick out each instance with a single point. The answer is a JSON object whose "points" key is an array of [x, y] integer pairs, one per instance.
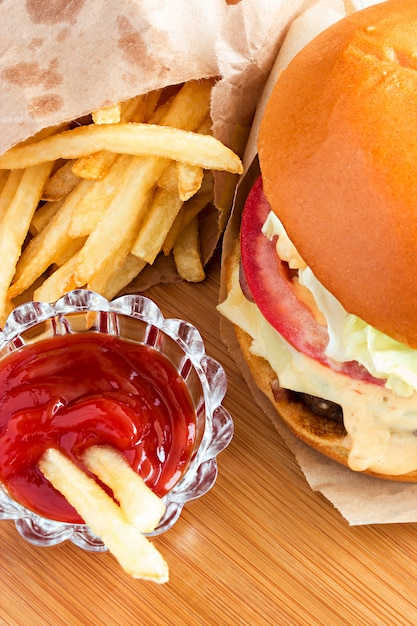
{"points": [[351, 338]]}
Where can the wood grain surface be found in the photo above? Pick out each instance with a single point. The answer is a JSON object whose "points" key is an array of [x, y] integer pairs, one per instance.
{"points": [[259, 549]]}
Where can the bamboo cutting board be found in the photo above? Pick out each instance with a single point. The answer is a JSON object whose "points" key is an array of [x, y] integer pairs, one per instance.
{"points": [[259, 549]]}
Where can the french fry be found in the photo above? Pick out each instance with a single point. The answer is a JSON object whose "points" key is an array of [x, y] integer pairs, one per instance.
{"points": [[122, 217], [108, 115], [44, 133], [15, 225], [9, 189], [114, 263], [4, 175], [138, 139], [135, 553], [42, 250], [190, 178], [151, 102], [190, 106], [93, 205], [25, 296], [43, 216], [133, 110], [67, 252], [187, 254], [205, 127], [188, 211], [58, 283], [93, 166], [118, 280], [141, 507], [157, 115], [156, 224], [169, 178], [182, 179], [61, 183]]}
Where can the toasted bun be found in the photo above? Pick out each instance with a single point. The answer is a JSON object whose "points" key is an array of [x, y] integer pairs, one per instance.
{"points": [[338, 155], [324, 435]]}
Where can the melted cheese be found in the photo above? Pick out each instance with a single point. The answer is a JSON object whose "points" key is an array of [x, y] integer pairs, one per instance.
{"points": [[381, 426]]}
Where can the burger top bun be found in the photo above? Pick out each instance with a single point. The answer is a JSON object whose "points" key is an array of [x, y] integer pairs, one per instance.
{"points": [[338, 156]]}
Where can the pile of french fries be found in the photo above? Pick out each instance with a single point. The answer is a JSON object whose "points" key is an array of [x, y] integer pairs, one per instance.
{"points": [[120, 526], [92, 205]]}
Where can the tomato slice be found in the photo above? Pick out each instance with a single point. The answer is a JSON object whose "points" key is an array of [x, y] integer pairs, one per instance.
{"points": [[269, 282]]}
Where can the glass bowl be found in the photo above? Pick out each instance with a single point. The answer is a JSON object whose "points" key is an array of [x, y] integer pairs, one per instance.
{"points": [[134, 318]]}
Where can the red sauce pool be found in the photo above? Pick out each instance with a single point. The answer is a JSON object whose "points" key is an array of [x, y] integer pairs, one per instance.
{"points": [[74, 391]]}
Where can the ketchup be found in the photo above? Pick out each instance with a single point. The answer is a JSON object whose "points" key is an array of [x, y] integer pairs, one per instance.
{"points": [[75, 391]]}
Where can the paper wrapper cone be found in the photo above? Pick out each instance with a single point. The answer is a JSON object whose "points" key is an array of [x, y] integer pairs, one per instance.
{"points": [[61, 60], [359, 498]]}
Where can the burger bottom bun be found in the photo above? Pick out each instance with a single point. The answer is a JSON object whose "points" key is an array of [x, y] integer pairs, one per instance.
{"points": [[324, 435]]}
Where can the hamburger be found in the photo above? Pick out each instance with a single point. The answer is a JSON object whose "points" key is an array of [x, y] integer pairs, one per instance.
{"points": [[320, 286]]}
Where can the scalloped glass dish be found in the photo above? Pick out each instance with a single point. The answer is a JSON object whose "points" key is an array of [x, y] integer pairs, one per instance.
{"points": [[134, 318]]}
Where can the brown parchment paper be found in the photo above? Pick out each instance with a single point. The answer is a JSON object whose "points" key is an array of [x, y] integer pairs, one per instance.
{"points": [[360, 499]]}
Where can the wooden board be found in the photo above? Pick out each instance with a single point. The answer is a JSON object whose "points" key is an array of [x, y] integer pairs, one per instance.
{"points": [[260, 549]]}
